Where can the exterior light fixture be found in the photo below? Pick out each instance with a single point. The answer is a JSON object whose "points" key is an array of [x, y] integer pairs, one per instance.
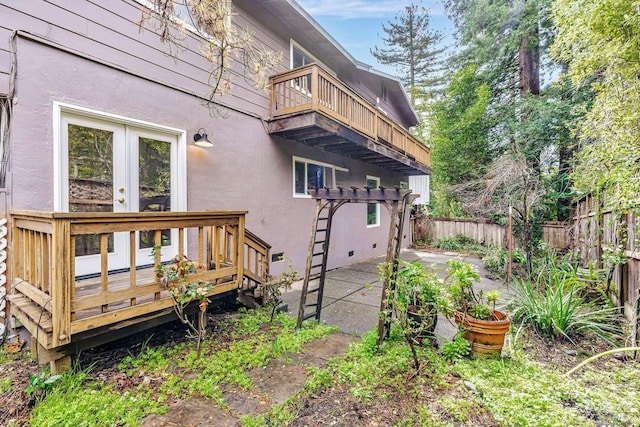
{"points": [[201, 139]]}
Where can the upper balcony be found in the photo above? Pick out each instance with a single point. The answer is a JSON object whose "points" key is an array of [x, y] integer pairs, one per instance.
{"points": [[311, 106]]}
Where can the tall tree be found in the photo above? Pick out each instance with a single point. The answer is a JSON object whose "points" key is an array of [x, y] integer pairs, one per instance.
{"points": [[600, 42], [459, 127], [412, 49]]}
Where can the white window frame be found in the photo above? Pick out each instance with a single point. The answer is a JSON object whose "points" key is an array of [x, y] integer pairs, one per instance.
{"points": [[295, 159], [60, 109], [294, 45], [377, 224], [186, 23]]}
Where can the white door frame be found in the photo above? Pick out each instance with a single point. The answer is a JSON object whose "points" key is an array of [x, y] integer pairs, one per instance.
{"points": [[63, 113]]}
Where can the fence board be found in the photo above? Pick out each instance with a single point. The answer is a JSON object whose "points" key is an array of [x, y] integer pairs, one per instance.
{"points": [[555, 234]]}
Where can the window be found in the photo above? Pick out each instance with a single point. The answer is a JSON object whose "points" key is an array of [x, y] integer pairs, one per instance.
{"points": [[309, 174], [404, 185], [384, 93], [373, 209], [299, 56]]}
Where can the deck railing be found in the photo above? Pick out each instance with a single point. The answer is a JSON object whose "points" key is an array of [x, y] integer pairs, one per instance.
{"points": [[311, 88], [54, 304]]}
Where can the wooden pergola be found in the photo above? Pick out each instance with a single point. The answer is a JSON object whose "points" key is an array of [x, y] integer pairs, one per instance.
{"points": [[328, 201]]}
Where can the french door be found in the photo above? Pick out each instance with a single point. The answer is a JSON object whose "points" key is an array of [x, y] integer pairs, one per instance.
{"points": [[118, 167]]}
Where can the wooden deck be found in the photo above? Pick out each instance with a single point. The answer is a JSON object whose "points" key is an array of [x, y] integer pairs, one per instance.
{"points": [[56, 306], [310, 105]]}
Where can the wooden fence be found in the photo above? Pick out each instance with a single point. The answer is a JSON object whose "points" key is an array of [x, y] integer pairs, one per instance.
{"points": [[596, 233], [555, 234], [592, 235]]}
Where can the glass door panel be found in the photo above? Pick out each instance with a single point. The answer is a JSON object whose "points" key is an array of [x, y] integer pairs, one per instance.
{"points": [[92, 174], [90, 179], [154, 185]]}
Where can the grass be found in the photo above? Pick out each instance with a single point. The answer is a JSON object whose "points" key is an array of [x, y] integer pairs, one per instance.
{"points": [[184, 373], [512, 391], [520, 392]]}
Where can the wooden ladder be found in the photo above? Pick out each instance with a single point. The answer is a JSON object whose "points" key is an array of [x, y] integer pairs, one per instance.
{"points": [[317, 259], [398, 210], [327, 202]]}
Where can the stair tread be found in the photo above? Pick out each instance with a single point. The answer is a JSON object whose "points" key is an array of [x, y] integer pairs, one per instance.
{"points": [[33, 311]]}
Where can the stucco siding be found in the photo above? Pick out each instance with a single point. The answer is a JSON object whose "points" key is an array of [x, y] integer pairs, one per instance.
{"points": [[109, 31], [90, 54]]}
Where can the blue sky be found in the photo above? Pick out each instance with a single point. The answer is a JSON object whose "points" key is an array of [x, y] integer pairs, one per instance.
{"points": [[357, 24]]}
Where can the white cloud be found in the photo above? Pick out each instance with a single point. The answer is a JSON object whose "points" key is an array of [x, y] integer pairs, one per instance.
{"points": [[349, 9]]}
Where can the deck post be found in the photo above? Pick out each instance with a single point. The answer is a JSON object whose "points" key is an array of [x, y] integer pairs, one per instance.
{"points": [[240, 250], [61, 281]]}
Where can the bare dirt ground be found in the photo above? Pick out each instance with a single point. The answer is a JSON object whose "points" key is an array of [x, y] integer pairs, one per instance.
{"points": [[273, 384]]}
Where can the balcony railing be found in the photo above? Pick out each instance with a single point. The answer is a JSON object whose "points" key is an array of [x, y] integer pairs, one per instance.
{"points": [[311, 88], [55, 305]]}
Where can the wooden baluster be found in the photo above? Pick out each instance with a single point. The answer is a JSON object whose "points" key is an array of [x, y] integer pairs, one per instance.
{"points": [[72, 269], [61, 282], [132, 264], [157, 241], [200, 245], [104, 267]]}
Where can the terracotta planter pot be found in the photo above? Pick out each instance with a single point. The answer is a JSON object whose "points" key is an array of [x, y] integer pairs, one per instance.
{"points": [[485, 336]]}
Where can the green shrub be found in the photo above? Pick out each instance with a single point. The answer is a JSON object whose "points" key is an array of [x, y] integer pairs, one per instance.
{"points": [[496, 260], [449, 244], [456, 349], [558, 309]]}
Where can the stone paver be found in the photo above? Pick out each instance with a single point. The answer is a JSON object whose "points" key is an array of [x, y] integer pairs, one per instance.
{"points": [[352, 302]]}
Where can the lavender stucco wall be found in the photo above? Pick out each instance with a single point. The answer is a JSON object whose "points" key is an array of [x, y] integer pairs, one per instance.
{"points": [[246, 169]]}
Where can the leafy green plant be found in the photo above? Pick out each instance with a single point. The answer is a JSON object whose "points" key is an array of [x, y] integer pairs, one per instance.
{"points": [[273, 287], [413, 301], [456, 349], [175, 276], [449, 244], [559, 310], [496, 260], [41, 384], [460, 279]]}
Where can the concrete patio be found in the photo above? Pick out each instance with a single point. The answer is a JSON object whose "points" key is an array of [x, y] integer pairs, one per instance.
{"points": [[352, 294]]}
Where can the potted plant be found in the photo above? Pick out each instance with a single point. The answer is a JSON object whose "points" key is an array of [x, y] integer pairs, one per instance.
{"points": [[475, 313], [414, 301]]}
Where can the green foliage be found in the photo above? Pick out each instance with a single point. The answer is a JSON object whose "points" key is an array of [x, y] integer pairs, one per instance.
{"points": [[81, 401], [183, 291], [273, 287], [412, 49], [449, 244], [480, 311], [599, 42], [457, 243], [456, 349], [459, 140], [496, 260], [558, 309], [41, 384], [414, 300], [5, 384], [522, 392], [443, 202]]}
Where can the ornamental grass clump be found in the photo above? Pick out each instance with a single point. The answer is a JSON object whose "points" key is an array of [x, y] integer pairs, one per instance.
{"points": [[559, 309]]}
